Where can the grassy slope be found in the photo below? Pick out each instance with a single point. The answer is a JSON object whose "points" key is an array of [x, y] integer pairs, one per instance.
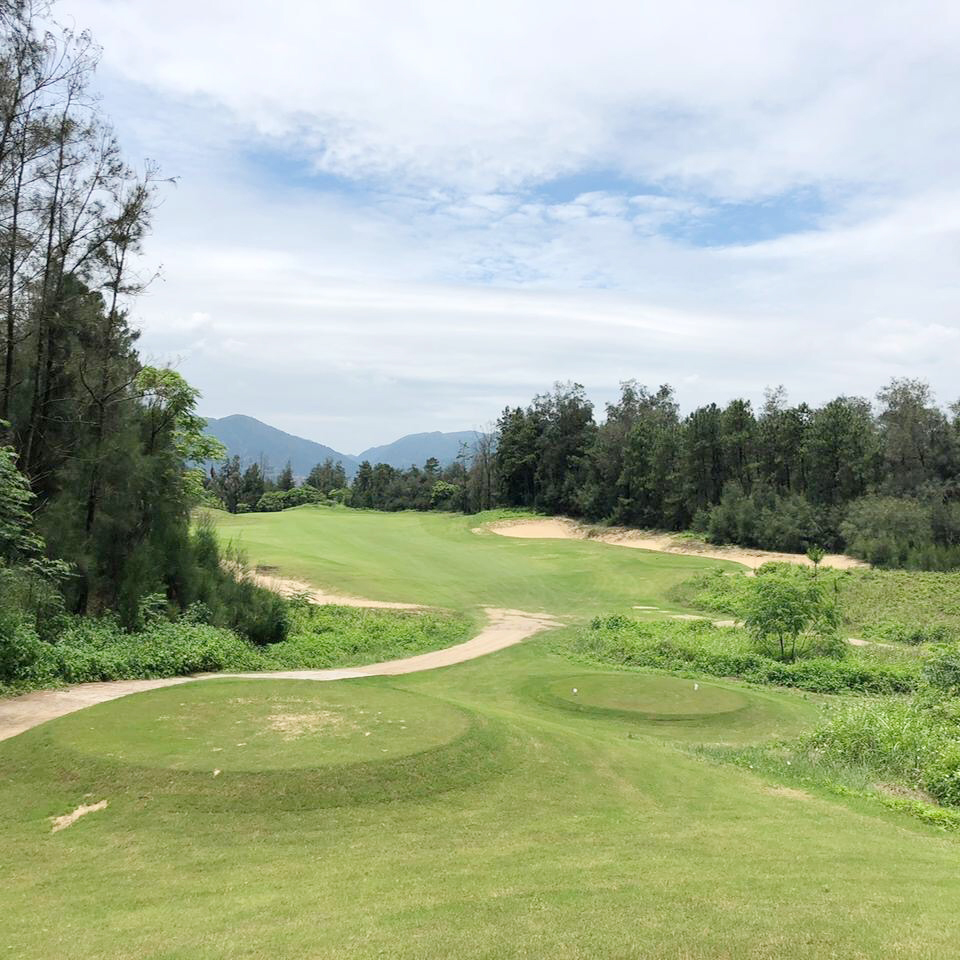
{"points": [[564, 835], [435, 559]]}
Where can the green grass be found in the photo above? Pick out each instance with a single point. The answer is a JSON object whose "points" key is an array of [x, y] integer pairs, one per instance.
{"points": [[435, 559], [537, 831], [233, 726], [491, 813]]}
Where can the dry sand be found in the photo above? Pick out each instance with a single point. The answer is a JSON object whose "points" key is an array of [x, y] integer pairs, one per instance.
{"points": [[560, 528], [504, 628], [294, 588]]}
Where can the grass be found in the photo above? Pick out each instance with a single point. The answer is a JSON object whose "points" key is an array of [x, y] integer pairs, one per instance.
{"points": [[536, 832], [510, 819], [436, 559]]}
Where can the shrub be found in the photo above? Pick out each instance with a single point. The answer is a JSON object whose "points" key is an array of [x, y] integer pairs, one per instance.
{"points": [[942, 671], [700, 647], [892, 739], [99, 649]]}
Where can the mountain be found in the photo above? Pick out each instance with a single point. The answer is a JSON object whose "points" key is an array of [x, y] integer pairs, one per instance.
{"points": [[416, 448], [251, 441]]}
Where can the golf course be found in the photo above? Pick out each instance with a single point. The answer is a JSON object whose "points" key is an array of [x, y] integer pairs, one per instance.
{"points": [[519, 804]]}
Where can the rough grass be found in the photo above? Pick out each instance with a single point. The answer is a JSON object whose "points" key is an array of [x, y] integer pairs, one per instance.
{"points": [[884, 605], [539, 832], [328, 636], [699, 648]]}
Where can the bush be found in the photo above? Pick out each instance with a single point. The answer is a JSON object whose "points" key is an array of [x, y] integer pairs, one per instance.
{"points": [[888, 631], [942, 672], [99, 649], [724, 652], [893, 739]]}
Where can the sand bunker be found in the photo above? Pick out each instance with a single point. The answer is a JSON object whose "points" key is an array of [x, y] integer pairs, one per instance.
{"points": [[560, 528]]}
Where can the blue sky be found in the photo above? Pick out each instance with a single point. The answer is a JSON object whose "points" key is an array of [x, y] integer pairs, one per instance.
{"points": [[401, 217]]}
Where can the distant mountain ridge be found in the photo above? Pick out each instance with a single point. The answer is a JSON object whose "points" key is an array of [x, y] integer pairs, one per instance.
{"points": [[253, 441], [416, 448]]}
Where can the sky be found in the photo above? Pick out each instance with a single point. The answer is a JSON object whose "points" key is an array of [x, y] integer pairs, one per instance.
{"points": [[397, 217]]}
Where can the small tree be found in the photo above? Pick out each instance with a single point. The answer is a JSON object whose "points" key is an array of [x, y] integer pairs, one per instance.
{"points": [[815, 555], [285, 480], [782, 608]]}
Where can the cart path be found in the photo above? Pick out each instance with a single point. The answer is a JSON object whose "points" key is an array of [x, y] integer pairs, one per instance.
{"points": [[503, 629]]}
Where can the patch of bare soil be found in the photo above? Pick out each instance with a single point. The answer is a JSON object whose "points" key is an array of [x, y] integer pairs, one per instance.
{"points": [[561, 528], [69, 819], [296, 725], [898, 790]]}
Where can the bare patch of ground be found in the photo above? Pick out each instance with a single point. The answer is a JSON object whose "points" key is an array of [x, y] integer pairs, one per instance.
{"points": [[561, 528], [295, 725], [857, 642], [504, 628], [69, 819], [898, 790]]}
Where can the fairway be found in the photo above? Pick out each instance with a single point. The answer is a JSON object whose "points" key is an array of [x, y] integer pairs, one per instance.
{"points": [[439, 560]]}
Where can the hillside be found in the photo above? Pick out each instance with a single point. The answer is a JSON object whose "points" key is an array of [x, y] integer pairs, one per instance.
{"points": [[251, 440], [417, 448]]}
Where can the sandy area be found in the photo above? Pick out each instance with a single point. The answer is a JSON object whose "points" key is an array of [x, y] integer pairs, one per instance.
{"points": [[560, 528], [292, 588], [504, 628]]}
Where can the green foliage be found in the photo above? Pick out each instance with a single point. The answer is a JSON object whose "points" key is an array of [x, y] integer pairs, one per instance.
{"points": [[275, 500], [894, 739], [886, 606], [942, 671], [99, 649], [725, 652], [329, 636], [93, 649], [787, 610]]}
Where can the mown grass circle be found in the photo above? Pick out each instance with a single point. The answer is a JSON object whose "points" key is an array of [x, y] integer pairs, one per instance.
{"points": [[253, 725], [648, 697]]}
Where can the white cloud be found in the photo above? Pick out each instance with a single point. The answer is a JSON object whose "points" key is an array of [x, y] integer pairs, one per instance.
{"points": [[444, 284]]}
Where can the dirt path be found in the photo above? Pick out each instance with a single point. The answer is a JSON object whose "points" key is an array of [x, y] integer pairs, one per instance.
{"points": [[504, 628], [560, 528]]}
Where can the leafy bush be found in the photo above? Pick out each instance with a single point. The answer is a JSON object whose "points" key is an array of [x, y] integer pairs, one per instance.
{"points": [[101, 650], [229, 596], [913, 634], [893, 738], [725, 652]]}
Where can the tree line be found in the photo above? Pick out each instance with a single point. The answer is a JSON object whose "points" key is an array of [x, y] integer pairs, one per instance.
{"points": [[879, 480], [95, 494]]}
